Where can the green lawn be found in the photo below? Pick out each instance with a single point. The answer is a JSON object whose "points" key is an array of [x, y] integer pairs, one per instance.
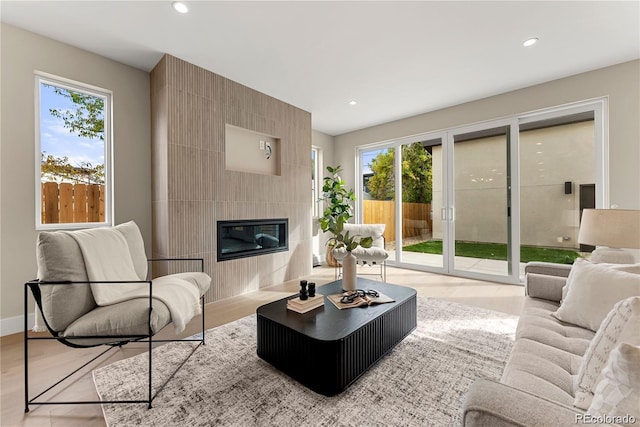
{"points": [[497, 251]]}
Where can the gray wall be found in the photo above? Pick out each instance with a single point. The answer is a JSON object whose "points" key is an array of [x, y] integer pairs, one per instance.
{"points": [[22, 53], [621, 83]]}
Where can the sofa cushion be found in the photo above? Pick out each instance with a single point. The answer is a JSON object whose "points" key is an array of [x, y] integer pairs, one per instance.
{"points": [[542, 370], [620, 325], [59, 259], [125, 318], [618, 394], [592, 292], [537, 324]]}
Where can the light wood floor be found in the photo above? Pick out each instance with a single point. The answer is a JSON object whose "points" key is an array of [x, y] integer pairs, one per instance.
{"points": [[47, 358]]}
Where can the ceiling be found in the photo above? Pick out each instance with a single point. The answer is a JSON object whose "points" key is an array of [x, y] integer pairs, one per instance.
{"points": [[396, 59]]}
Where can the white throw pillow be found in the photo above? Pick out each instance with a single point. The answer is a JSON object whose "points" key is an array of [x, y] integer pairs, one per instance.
{"points": [[629, 268], [592, 292], [620, 325], [617, 396]]}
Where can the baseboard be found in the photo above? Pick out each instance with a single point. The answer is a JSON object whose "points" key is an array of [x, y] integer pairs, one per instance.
{"points": [[13, 325]]}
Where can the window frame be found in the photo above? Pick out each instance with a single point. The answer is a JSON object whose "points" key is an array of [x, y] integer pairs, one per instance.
{"points": [[317, 191], [107, 95]]}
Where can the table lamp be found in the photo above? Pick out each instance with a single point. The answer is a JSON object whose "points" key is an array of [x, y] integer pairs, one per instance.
{"points": [[611, 230]]}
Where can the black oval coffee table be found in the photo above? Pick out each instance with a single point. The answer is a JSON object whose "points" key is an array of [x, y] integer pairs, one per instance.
{"points": [[327, 349]]}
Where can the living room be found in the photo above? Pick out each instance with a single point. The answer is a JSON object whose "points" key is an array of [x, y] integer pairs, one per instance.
{"points": [[138, 185]]}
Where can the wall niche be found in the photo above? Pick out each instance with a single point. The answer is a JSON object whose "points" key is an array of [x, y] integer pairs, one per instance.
{"points": [[250, 151]]}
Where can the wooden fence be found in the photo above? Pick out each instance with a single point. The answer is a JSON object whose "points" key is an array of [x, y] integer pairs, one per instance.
{"points": [[72, 203], [416, 218]]}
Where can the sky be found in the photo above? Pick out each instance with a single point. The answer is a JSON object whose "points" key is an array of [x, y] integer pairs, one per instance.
{"points": [[58, 141], [367, 158]]}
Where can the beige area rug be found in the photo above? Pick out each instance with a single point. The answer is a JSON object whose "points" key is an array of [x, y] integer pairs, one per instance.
{"points": [[422, 382]]}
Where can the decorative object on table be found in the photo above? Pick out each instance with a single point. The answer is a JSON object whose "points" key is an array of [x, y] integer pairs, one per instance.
{"points": [[312, 289], [303, 290], [302, 306], [333, 219], [359, 298], [614, 229]]}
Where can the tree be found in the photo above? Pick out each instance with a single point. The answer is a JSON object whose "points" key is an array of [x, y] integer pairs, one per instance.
{"points": [[416, 175], [60, 167], [87, 120], [382, 183]]}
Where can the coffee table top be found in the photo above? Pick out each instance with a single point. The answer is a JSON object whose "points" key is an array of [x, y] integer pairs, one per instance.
{"points": [[329, 323]]}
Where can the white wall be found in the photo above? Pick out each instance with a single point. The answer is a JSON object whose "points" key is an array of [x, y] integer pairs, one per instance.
{"points": [[22, 53], [325, 143], [619, 82]]}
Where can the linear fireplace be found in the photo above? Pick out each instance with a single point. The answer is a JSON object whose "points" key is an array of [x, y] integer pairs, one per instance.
{"points": [[246, 238]]}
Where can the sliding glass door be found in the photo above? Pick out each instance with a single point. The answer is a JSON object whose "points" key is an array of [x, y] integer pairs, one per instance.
{"points": [[479, 214], [482, 200]]}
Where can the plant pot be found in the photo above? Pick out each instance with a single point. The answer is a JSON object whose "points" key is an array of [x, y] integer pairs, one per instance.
{"points": [[349, 272], [331, 260]]}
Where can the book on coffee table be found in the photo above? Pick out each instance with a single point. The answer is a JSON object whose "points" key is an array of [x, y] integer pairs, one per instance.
{"points": [[359, 301], [303, 306]]}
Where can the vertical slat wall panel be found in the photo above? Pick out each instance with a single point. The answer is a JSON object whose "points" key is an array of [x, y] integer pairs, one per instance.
{"points": [[192, 190]]}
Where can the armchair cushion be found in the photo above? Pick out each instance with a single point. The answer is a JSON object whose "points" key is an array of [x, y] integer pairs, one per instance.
{"points": [[369, 255], [125, 319], [201, 280], [376, 253], [59, 259], [134, 240], [375, 231]]}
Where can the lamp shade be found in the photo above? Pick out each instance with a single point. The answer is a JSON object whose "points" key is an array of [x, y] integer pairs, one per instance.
{"points": [[614, 228]]}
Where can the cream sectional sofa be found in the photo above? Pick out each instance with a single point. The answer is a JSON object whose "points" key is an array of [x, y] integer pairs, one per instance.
{"points": [[537, 385]]}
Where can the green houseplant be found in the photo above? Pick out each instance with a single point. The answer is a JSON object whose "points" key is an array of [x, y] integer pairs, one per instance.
{"points": [[337, 212]]}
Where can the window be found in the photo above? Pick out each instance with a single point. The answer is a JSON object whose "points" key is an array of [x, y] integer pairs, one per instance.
{"points": [[316, 181], [73, 154]]}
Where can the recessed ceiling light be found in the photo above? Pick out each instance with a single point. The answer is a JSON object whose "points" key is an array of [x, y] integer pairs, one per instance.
{"points": [[180, 7], [353, 102], [530, 42]]}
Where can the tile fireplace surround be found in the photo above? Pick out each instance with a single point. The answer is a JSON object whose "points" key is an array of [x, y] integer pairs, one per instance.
{"points": [[192, 190]]}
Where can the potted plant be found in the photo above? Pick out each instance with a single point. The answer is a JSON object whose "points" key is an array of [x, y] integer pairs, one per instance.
{"points": [[337, 212]]}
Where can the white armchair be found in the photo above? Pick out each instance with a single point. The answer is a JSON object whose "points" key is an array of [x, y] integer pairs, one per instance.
{"points": [[376, 255]]}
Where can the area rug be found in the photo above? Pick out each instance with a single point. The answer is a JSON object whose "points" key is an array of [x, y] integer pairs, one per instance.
{"points": [[421, 382]]}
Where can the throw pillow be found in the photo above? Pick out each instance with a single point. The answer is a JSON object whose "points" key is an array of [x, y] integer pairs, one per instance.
{"points": [[620, 325], [593, 290], [617, 395], [629, 268]]}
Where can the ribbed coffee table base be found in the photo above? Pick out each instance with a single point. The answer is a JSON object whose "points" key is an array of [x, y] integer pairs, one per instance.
{"points": [[326, 361]]}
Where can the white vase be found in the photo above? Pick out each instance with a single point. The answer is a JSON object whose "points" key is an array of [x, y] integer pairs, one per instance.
{"points": [[349, 272]]}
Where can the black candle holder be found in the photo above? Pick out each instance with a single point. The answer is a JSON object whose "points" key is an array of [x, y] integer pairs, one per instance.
{"points": [[303, 290]]}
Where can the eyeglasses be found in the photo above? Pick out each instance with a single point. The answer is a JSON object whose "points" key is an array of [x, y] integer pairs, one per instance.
{"points": [[350, 297]]}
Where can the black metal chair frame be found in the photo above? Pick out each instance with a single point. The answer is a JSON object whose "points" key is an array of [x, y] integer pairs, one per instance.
{"points": [[119, 341]]}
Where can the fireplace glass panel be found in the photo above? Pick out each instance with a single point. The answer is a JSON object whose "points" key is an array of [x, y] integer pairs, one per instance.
{"points": [[239, 239]]}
